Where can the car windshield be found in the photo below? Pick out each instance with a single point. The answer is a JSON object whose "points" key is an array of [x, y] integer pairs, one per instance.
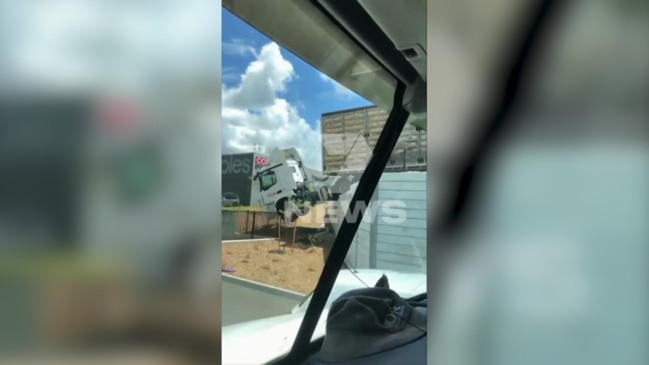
{"points": [[230, 196], [335, 129]]}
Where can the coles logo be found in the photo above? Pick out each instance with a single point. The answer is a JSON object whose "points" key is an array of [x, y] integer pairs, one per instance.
{"points": [[261, 161]]}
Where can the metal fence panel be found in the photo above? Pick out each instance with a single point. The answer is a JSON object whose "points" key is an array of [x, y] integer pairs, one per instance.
{"points": [[228, 226], [242, 225]]}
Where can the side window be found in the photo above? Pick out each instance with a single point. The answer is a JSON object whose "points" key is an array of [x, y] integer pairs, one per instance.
{"points": [[268, 180]]}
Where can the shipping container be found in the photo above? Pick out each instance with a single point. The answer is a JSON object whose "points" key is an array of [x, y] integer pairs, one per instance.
{"points": [[348, 137]]}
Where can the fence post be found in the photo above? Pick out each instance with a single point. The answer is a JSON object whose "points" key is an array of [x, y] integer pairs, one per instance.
{"points": [[252, 231]]}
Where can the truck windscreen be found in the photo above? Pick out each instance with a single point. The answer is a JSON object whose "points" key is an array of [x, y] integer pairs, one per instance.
{"points": [[268, 180]]}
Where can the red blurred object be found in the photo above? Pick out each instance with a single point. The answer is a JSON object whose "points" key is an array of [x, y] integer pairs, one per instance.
{"points": [[118, 116]]}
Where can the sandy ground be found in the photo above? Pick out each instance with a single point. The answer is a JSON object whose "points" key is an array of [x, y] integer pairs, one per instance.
{"points": [[293, 268]]}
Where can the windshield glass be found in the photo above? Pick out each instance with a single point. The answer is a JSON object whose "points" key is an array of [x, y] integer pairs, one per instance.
{"points": [[391, 238], [334, 128]]}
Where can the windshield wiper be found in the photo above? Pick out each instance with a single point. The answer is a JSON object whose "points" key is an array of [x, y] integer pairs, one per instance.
{"points": [[363, 194]]}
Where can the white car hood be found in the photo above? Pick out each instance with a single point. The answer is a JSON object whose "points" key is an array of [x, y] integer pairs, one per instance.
{"points": [[260, 341]]}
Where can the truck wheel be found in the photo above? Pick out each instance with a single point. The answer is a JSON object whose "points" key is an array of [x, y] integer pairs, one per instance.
{"points": [[281, 208]]}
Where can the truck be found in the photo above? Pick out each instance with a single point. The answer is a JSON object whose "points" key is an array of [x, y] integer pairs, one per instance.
{"points": [[287, 186]]}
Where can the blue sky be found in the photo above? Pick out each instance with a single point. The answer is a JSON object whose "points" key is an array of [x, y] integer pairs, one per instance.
{"points": [[307, 90]]}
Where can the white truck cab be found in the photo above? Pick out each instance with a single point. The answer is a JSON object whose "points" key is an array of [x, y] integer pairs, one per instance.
{"points": [[276, 183], [282, 180], [285, 186]]}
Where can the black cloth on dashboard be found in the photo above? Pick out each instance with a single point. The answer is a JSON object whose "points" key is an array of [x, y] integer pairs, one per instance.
{"points": [[373, 326]]}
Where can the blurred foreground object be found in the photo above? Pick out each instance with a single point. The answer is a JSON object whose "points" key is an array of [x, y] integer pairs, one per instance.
{"points": [[109, 134], [553, 258]]}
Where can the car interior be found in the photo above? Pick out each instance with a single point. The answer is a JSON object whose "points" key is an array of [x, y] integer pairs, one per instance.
{"points": [[386, 62]]}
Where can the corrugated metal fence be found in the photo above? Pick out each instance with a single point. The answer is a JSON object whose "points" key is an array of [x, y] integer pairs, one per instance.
{"points": [[383, 242]]}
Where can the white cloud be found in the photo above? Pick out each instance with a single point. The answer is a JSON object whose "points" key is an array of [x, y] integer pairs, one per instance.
{"points": [[238, 47], [339, 89], [254, 113], [230, 74], [263, 79]]}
